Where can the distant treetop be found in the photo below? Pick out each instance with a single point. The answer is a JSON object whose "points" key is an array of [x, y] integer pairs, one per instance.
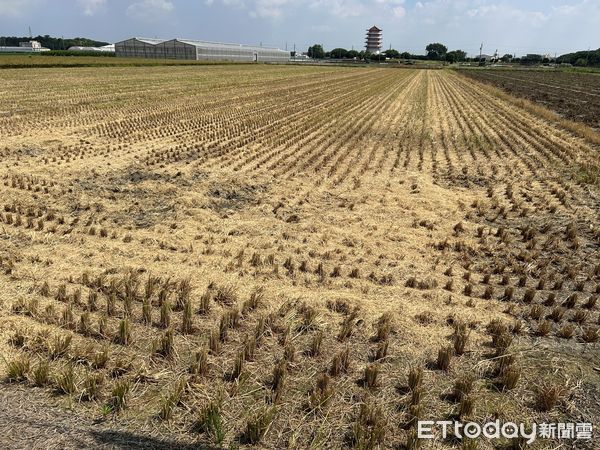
{"points": [[581, 58], [52, 43]]}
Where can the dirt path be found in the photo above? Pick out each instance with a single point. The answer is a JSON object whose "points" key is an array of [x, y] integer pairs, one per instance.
{"points": [[28, 422]]}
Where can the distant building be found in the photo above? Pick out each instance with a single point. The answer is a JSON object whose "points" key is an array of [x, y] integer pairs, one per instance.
{"points": [[373, 40], [301, 57], [25, 47], [197, 50], [104, 49], [31, 44]]}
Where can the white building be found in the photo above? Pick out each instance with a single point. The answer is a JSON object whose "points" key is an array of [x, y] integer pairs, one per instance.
{"points": [[24, 47], [31, 44]]}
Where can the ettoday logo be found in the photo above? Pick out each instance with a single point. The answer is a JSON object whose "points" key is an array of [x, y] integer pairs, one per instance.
{"points": [[507, 430]]}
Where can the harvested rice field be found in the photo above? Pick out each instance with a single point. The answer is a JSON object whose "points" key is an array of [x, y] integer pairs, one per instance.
{"points": [[290, 257], [574, 95]]}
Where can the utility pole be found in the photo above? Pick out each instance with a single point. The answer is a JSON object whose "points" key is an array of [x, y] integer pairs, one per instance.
{"points": [[480, 51], [30, 35]]}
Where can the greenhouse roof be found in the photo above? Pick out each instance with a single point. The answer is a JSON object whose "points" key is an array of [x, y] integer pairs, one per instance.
{"points": [[150, 40], [222, 44], [197, 43]]}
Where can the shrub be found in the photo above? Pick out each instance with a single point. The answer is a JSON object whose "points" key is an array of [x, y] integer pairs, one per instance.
{"points": [[322, 393], [166, 345], [544, 328], [238, 365], [124, 336], [463, 386], [460, 338], [510, 377], [277, 383], [119, 394], [590, 335], [384, 327], [199, 364], [415, 378], [91, 386], [340, 363], [258, 424], [444, 357], [466, 406], [371, 374], [315, 345], [18, 368], [65, 382], [566, 331], [369, 429], [210, 421], [548, 395], [41, 373]]}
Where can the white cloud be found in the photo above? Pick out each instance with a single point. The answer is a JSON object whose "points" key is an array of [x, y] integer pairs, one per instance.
{"points": [[278, 9], [16, 8], [91, 7], [399, 11], [340, 9], [322, 28], [150, 10], [270, 9], [505, 11]]}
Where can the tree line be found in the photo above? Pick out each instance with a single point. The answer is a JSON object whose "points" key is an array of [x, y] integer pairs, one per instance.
{"points": [[439, 52], [582, 58], [434, 51], [50, 42]]}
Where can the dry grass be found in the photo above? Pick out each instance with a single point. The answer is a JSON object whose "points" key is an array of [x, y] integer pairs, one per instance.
{"points": [[206, 254], [577, 128]]}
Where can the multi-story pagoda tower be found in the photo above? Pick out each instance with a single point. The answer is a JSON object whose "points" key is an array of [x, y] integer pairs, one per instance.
{"points": [[373, 40]]}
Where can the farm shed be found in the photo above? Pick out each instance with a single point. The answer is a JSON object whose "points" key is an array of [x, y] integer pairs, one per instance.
{"points": [[197, 50]]}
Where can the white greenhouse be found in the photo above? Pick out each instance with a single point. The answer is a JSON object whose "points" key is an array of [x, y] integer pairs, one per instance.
{"points": [[197, 50]]}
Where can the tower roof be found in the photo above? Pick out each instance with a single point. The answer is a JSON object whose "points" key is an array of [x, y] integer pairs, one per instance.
{"points": [[374, 28]]}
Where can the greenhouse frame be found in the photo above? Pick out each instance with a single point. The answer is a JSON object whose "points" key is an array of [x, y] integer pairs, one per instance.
{"points": [[197, 50]]}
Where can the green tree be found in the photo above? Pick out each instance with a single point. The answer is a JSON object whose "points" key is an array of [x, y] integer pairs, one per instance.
{"points": [[456, 56], [507, 57], [436, 51], [51, 42], [339, 53], [316, 51], [581, 62], [391, 53], [405, 55], [532, 58], [352, 54]]}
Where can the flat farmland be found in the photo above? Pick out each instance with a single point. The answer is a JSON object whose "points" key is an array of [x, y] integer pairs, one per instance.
{"points": [[574, 96], [288, 257]]}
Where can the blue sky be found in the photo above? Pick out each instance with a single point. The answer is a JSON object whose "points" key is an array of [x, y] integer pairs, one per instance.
{"points": [[527, 26]]}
